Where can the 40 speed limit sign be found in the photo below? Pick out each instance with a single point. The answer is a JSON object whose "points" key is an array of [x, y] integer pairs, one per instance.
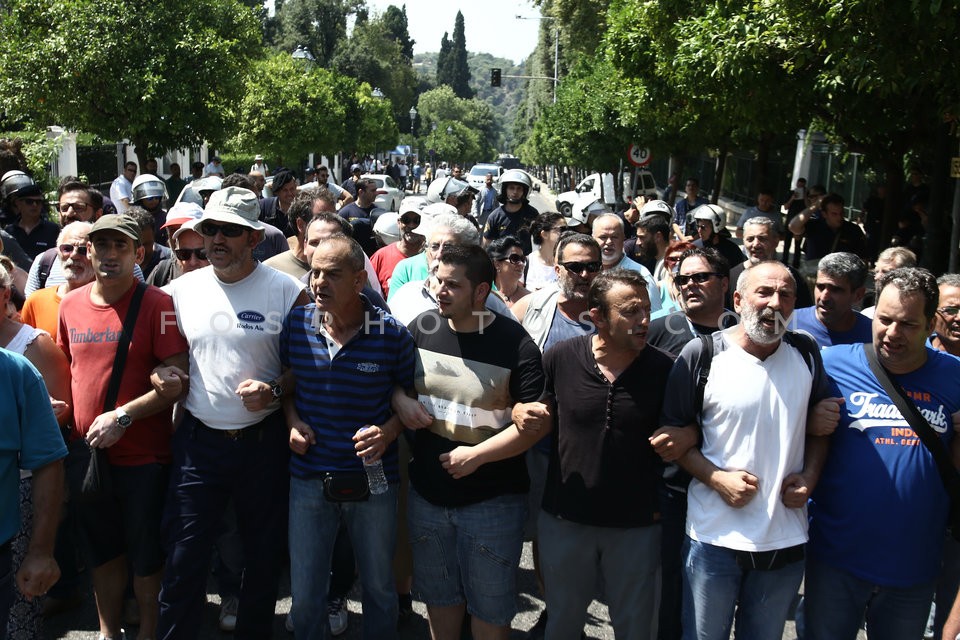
{"points": [[638, 156]]}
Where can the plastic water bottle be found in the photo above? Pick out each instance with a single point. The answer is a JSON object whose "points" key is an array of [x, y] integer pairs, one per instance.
{"points": [[376, 479]]}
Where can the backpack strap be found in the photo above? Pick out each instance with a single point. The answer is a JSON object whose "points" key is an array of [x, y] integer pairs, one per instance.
{"points": [[47, 259], [703, 370]]}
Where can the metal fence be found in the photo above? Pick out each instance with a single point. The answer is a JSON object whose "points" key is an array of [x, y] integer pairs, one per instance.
{"points": [[98, 164]]}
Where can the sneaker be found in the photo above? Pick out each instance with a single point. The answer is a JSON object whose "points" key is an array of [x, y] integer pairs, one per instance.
{"points": [[337, 612], [228, 613], [123, 636], [288, 623], [539, 629]]}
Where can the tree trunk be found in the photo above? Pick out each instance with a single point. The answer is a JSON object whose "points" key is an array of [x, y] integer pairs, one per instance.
{"points": [[937, 236], [759, 179], [893, 169], [718, 173]]}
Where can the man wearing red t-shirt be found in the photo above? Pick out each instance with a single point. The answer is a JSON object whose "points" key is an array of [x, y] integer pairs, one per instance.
{"points": [[385, 260], [124, 526]]}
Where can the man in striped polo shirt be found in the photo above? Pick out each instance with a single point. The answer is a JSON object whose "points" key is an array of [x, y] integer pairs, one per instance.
{"points": [[346, 357]]}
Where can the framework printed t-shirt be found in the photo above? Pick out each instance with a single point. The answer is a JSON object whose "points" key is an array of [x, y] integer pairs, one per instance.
{"points": [[469, 383]]}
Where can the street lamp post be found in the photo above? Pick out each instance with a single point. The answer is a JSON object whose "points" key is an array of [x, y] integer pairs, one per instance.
{"points": [[413, 118], [303, 54]]}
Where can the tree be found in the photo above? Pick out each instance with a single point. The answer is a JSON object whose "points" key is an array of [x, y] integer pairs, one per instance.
{"points": [[471, 123], [372, 55], [452, 68], [164, 75], [318, 25], [395, 22]]}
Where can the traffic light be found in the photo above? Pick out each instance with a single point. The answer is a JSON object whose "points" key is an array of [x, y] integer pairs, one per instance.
{"points": [[494, 77]]}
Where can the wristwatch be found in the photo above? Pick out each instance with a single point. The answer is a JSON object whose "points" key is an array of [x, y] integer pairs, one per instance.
{"points": [[123, 418], [275, 389]]}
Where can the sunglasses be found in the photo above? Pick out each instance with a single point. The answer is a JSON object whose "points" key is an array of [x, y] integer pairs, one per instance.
{"points": [[228, 230], [699, 278], [79, 207], [514, 259], [184, 254], [67, 249], [950, 311], [579, 267], [37, 202]]}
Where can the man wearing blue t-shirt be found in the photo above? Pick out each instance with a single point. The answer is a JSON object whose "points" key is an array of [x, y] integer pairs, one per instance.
{"points": [[346, 357], [840, 286], [879, 511]]}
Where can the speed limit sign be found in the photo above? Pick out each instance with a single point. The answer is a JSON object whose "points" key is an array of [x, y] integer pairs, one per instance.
{"points": [[638, 156]]}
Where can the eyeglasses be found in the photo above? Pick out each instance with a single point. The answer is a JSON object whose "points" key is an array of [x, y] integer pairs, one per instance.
{"points": [[699, 278], [79, 207], [579, 267], [950, 311], [184, 254], [513, 258], [67, 249], [228, 230]]}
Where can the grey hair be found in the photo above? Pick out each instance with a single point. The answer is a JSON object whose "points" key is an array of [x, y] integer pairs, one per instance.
{"points": [[608, 215], [949, 280], [913, 280], [745, 275], [898, 257], [79, 227], [762, 221], [844, 265], [355, 260], [461, 227]]}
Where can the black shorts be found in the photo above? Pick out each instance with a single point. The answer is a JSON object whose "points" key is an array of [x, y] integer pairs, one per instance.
{"points": [[128, 521]]}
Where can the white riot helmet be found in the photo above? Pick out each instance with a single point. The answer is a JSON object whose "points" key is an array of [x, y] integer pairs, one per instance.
{"points": [[711, 213], [587, 205], [656, 207], [516, 176], [442, 188], [148, 186], [386, 228]]}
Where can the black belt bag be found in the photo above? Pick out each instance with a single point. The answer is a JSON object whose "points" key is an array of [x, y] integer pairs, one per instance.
{"points": [[346, 486], [769, 560]]}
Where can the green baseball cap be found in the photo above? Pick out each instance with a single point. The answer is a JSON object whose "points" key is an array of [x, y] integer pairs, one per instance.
{"points": [[117, 222]]}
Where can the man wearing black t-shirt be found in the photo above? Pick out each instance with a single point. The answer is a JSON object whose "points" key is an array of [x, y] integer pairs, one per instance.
{"points": [[468, 493], [600, 515]]}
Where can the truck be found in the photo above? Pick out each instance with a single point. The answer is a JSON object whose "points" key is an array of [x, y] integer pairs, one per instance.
{"points": [[601, 186]]}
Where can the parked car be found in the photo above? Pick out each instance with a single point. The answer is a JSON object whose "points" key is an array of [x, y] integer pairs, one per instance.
{"points": [[601, 187], [389, 193], [478, 174]]}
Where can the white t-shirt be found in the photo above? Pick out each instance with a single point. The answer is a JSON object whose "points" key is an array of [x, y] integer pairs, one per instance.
{"points": [[539, 274], [754, 419], [234, 334], [121, 188]]}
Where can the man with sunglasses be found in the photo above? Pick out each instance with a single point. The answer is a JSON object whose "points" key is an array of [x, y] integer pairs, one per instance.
{"points": [[121, 189], [24, 199], [188, 255], [42, 307], [232, 441]]}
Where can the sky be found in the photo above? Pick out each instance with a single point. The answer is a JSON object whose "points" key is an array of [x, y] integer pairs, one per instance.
{"points": [[491, 25]]}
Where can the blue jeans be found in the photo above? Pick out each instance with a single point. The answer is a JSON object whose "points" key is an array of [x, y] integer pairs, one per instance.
{"points": [[835, 602], [209, 469], [314, 522], [470, 552], [714, 586]]}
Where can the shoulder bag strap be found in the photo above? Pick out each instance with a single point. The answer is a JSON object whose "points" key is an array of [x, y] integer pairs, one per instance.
{"points": [[120, 360], [948, 472]]}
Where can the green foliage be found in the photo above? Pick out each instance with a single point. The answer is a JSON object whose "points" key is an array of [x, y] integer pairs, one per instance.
{"points": [[292, 109], [40, 150], [471, 123], [318, 25], [452, 67], [165, 75], [374, 56], [395, 23]]}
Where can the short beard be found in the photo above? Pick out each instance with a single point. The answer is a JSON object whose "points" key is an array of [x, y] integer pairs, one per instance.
{"points": [[751, 318]]}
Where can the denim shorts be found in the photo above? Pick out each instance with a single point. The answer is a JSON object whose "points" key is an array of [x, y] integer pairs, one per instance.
{"points": [[468, 553]]}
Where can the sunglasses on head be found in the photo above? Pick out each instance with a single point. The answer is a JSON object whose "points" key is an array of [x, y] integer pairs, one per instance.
{"points": [[184, 254], [579, 267], [228, 230], [699, 278], [68, 249], [513, 259]]}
